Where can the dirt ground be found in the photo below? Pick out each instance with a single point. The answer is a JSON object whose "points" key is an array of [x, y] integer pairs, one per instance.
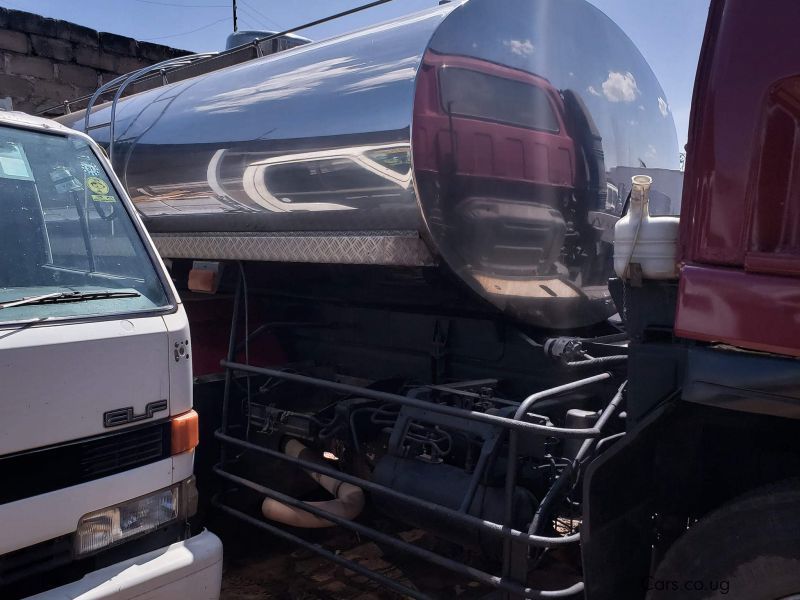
{"points": [[259, 566], [284, 571]]}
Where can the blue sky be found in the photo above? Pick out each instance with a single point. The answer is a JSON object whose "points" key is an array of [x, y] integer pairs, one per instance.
{"points": [[668, 33]]}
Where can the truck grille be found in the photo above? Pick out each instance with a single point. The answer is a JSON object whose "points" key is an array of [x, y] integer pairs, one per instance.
{"points": [[112, 455], [47, 469]]}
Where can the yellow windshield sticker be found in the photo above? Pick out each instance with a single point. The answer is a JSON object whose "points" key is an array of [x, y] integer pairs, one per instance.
{"points": [[102, 198], [97, 186]]}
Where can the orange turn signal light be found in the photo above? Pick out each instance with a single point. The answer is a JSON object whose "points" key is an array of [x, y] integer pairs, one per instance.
{"points": [[185, 432]]}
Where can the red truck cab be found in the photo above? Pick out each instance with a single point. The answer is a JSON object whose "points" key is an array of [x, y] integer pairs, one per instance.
{"points": [[740, 236], [702, 496]]}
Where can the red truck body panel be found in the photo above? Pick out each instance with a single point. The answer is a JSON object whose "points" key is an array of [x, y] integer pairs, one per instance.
{"points": [[740, 223]]}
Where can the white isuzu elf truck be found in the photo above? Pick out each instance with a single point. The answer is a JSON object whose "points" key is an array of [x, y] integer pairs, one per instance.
{"points": [[97, 431]]}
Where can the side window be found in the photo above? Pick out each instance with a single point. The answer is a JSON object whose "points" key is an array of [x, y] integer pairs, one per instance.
{"points": [[497, 99]]}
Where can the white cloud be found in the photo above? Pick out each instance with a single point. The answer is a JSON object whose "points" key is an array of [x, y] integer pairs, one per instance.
{"points": [[519, 47], [592, 91], [663, 106], [641, 107], [620, 87]]}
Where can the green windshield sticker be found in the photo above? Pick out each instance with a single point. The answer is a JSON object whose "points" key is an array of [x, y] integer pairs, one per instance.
{"points": [[97, 185], [103, 198]]}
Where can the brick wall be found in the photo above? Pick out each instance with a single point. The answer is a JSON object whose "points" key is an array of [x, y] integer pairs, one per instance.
{"points": [[46, 61]]}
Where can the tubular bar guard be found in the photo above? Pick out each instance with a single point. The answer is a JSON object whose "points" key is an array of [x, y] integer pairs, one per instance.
{"points": [[504, 532]]}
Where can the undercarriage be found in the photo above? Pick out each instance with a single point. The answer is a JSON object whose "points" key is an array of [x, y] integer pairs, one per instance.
{"points": [[325, 423]]}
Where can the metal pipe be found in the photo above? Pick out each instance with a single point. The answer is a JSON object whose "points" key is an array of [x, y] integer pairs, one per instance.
{"points": [[99, 92], [607, 339], [562, 432], [335, 558], [132, 77], [555, 490], [477, 475], [432, 557], [226, 394], [468, 394], [610, 439], [513, 442], [598, 362], [564, 477], [347, 504], [494, 529], [611, 409]]}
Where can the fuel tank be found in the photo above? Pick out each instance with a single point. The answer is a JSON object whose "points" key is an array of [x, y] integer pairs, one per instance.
{"points": [[493, 141]]}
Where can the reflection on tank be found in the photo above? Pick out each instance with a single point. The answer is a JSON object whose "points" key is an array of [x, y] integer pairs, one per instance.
{"points": [[299, 182], [501, 159], [324, 180], [511, 174]]}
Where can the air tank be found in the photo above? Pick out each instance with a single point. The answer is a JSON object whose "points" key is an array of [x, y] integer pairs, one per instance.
{"points": [[479, 138]]}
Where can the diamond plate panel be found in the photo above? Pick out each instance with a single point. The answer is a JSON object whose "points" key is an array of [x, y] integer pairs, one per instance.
{"points": [[396, 248]]}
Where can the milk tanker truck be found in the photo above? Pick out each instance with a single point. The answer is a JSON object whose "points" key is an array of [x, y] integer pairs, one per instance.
{"points": [[395, 249]]}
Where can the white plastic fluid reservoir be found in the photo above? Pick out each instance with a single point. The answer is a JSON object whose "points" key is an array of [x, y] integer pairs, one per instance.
{"points": [[650, 242]]}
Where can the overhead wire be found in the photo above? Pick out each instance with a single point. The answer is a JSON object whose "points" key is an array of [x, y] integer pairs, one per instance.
{"points": [[286, 31], [262, 15], [251, 17], [176, 5], [248, 22], [328, 18], [164, 37]]}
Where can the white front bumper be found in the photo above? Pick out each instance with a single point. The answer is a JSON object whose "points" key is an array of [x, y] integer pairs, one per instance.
{"points": [[191, 569]]}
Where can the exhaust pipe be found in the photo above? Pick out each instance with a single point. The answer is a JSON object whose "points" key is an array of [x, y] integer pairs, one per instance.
{"points": [[348, 499]]}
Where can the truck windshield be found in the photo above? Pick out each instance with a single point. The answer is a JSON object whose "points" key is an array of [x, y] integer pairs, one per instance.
{"points": [[65, 233]]}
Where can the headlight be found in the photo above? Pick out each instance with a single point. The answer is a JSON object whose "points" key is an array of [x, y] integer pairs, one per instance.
{"points": [[110, 526]]}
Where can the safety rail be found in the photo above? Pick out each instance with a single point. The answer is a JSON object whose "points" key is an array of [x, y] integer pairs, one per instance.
{"points": [[180, 67], [511, 583], [120, 84]]}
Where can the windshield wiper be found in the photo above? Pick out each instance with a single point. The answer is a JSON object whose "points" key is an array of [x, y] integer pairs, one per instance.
{"points": [[58, 297]]}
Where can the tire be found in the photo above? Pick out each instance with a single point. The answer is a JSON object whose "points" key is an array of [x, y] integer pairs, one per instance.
{"points": [[746, 550]]}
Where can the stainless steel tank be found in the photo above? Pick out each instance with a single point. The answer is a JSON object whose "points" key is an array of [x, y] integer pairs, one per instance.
{"points": [[480, 137]]}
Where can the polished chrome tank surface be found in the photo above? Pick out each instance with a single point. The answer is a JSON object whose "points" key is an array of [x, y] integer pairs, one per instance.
{"points": [[494, 142]]}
